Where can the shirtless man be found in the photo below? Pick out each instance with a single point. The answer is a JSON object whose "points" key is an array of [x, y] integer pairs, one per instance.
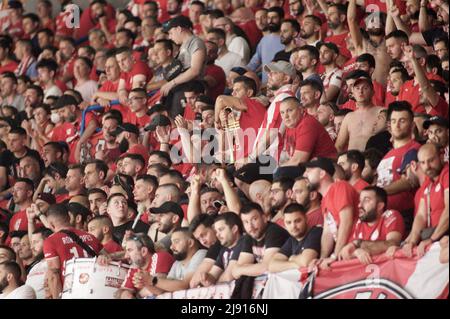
{"points": [[358, 126], [374, 44]]}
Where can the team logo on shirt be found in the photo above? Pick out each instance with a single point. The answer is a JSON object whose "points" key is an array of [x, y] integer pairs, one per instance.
{"points": [[437, 188], [83, 278]]}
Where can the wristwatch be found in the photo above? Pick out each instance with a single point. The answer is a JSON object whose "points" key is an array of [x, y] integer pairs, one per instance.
{"points": [[154, 281]]}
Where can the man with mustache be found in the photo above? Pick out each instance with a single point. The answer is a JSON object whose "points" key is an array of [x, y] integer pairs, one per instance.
{"points": [[310, 30], [187, 256], [432, 214], [269, 44], [288, 33], [376, 230]]}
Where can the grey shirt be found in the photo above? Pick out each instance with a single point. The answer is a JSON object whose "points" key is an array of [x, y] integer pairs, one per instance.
{"points": [[179, 271], [188, 49]]}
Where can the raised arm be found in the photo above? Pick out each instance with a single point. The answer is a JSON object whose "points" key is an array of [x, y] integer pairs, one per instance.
{"points": [[353, 26]]}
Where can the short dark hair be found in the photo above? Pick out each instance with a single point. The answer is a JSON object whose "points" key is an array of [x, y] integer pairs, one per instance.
{"points": [[163, 155], [367, 57], [115, 195], [139, 90], [218, 32], [11, 252], [100, 165], [379, 192], [10, 75], [143, 240], [403, 72], [231, 219], [79, 167], [13, 268], [47, 31], [314, 84], [249, 83], [161, 169], [315, 19], [18, 130], [37, 88], [148, 179], [399, 35], [129, 33], [293, 208], [27, 181], [277, 10], [167, 44], [32, 16], [202, 219], [294, 24], [247, 208], [97, 191], [87, 61], [355, 157], [373, 156], [441, 39], [45, 232], [312, 50], [59, 211], [70, 40], [400, 106], [18, 233], [286, 183]]}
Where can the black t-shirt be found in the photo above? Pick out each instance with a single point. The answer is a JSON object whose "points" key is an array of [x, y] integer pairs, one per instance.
{"points": [[311, 241], [214, 250], [119, 231], [228, 254], [275, 236], [432, 34], [282, 56], [11, 162], [381, 142]]}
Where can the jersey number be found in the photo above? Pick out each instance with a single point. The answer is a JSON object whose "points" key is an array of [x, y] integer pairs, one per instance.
{"points": [[74, 252]]}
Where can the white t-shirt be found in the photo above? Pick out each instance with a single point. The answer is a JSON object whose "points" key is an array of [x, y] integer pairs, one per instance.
{"points": [[35, 278], [179, 271], [87, 90], [229, 61], [240, 46], [23, 292]]}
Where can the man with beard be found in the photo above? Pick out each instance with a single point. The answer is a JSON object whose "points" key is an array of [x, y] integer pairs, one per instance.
{"points": [[174, 8], [95, 172], [304, 194], [397, 77], [377, 228], [325, 115], [103, 145], [202, 200], [374, 43], [353, 162], [188, 257], [359, 125], [400, 191], [288, 34], [337, 26], [269, 45], [296, 9], [100, 19], [280, 197], [140, 252], [31, 167], [431, 221], [127, 135], [438, 134], [310, 94], [305, 59], [229, 230], [262, 241], [97, 197], [34, 96], [259, 193], [102, 228], [169, 217], [108, 91], [10, 283], [144, 193], [394, 44], [303, 245], [339, 207], [310, 30], [65, 57], [332, 76]]}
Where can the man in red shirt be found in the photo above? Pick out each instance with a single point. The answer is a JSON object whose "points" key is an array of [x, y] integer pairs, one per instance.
{"points": [[140, 251], [23, 198], [65, 57], [103, 145], [138, 105], [431, 222], [401, 197], [353, 162], [339, 207], [108, 90], [305, 138], [102, 228], [133, 73], [305, 195], [60, 247], [337, 29], [376, 230], [6, 64]]}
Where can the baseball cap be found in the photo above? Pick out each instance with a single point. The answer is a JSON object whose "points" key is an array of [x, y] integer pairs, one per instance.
{"points": [[437, 120], [157, 120], [126, 127], [323, 163], [180, 21], [281, 66], [409, 157], [63, 101], [252, 172], [47, 197], [168, 207], [329, 45]]}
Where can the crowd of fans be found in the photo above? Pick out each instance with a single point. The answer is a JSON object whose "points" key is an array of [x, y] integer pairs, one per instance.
{"points": [[213, 140]]}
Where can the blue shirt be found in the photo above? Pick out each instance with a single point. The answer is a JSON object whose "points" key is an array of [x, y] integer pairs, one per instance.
{"points": [[265, 52]]}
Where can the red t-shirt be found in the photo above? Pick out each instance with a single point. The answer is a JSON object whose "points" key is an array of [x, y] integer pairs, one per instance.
{"points": [[9, 67], [389, 221], [109, 86], [19, 221], [62, 246], [217, 73], [141, 150], [61, 27], [360, 185], [339, 196], [61, 197], [436, 193], [411, 93], [314, 218], [339, 40], [389, 99], [309, 136], [140, 122], [64, 132], [440, 109], [388, 172], [112, 247], [380, 5], [139, 67], [161, 263], [253, 33]]}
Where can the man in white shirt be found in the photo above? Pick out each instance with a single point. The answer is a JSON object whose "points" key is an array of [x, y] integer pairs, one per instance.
{"points": [[46, 69], [226, 59], [10, 283], [235, 43]]}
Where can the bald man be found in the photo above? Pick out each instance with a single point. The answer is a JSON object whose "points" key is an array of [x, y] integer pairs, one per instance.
{"points": [[431, 221], [259, 192]]}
